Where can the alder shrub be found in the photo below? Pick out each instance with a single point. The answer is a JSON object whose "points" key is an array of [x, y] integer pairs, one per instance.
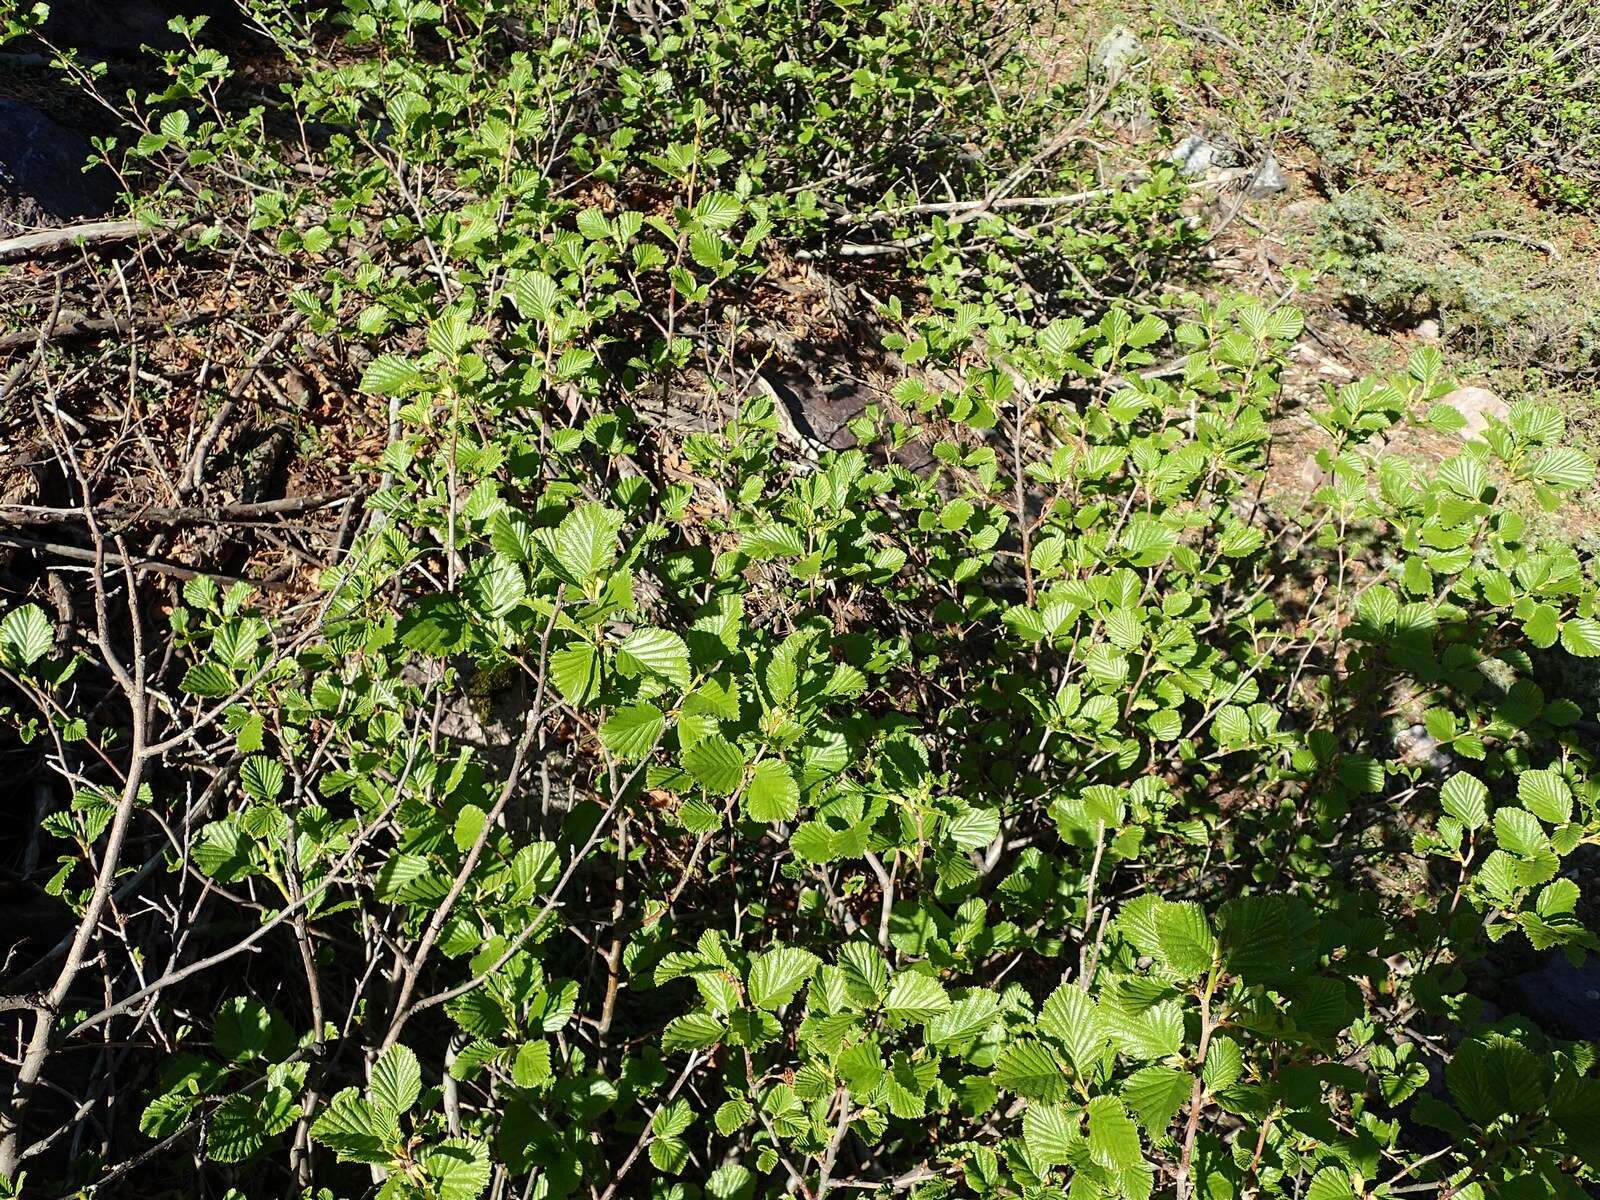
{"points": [[1027, 818]]}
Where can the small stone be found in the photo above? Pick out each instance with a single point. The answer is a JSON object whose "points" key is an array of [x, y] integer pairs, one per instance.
{"points": [[1427, 330], [1477, 405], [1141, 127], [1196, 155], [1267, 179], [1311, 475], [1117, 51]]}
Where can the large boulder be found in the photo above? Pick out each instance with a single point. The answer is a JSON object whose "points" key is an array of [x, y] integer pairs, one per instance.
{"points": [[110, 27], [42, 180], [1562, 998]]}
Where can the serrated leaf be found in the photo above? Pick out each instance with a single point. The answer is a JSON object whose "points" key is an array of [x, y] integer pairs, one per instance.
{"points": [[396, 1079], [584, 544], [1580, 636], [392, 375], [633, 730], [1546, 795], [692, 1031], [1029, 1069], [1519, 831], [531, 1068], [575, 670], [26, 636], [1113, 1137], [1223, 1066], [659, 651], [209, 680], [1562, 467], [777, 975], [261, 778], [973, 828], [1156, 1094], [964, 1019], [773, 794], [914, 996], [716, 764], [1071, 1018], [356, 1130], [242, 1124], [1050, 1132], [535, 294], [1331, 1183], [1184, 935], [1465, 799], [459, 1169], [733, 1115]]}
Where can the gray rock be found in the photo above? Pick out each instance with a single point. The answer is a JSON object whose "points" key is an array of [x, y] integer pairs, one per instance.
{"points": [[1562, 998], [42, 181], [1196, 155], [1117, 51], [1477, 405], [117, 27], [1267, 179]]}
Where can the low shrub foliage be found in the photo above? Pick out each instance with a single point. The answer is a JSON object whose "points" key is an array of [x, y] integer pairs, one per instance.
{"points": [[1016, 803]]}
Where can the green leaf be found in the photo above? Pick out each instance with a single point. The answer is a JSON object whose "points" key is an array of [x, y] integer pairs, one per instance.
{"points": [[1465, 799], [1156, 1094], [531, 1068], [733, 1115], [223, 851], [964, 1019], [1331, 1183], [1070, 1017], [242, 1029], [584, 545], [865, 972], [1519, 831], [575, 670], [261, 778], [669, 1154], [692, 1031], [26, 636], [773, 794], [1223, 1066], [535, 295], [1562, 467], [777, 975], [1029, 1069], [1581, 636], [396, 1079], [1113, 1137], [914, 996], [392, 375], [716, 764], [1546, 795], [1050, 1132], [973, 828], [632, 731], [1185, 937], [458, 1168], [658, 651], [209, 680], [242, 1124], [672, 1119], [357, 1131]]}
